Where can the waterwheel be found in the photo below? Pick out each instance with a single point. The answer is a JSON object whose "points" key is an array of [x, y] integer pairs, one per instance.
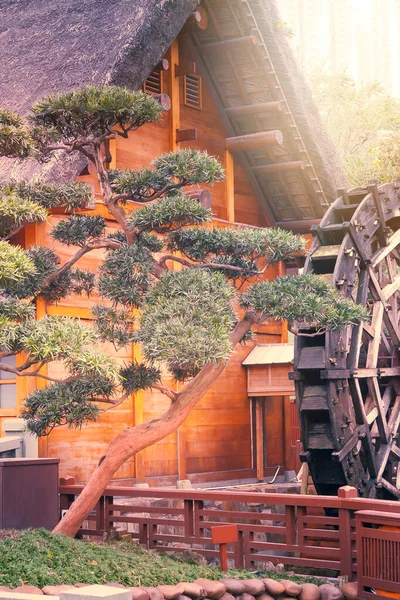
{"points": [[348, 382]]}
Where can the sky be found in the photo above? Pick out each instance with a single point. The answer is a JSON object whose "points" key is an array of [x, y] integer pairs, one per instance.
{"points": [[358, 36]]}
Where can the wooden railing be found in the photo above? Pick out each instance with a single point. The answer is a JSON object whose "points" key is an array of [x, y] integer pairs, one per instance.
{"points": [[378, 545], [317, 532]]}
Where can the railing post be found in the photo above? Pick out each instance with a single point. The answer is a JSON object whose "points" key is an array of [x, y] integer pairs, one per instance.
{"points": [[239, 551], [290, 523], [108, 501], [188, 516], [346, 559], [198, 519]]}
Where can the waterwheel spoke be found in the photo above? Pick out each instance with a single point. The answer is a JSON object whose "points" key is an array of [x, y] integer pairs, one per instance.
{"points": [[349, 429]]}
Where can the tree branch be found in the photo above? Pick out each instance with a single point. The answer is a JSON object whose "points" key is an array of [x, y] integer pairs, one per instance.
{"points": [[166, 391], [95, 245], [209, 265]]}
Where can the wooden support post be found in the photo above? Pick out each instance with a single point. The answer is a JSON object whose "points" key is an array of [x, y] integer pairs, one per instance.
{"points": [[253, 109], [181, 454], [174, 95], [279, 167], [259, 440], [138, 417], [230, 186], [241, 143], [343, 192]]}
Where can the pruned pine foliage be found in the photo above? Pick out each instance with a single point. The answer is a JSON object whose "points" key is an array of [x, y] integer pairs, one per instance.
{"points": [[15, 265], [245, 248], [15, 212], [15, 141], [138, 376], [69, 196], [306, 299], [78, 230], [94, 111], [186, 321], [183, 317], [169, 214]]}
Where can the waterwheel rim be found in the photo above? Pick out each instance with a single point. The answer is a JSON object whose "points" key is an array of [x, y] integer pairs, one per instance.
{"points": [[348, 382]]}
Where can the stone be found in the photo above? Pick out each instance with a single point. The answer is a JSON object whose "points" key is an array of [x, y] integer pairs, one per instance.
{"points": [[139, 594], [96, 592], [247, 596], [193, 590], [115, 584], [28, 589], [79, 585], [255, 587], [183, 597], [214, 589], [4, 588], [171, 591], [154, 593], [291, 588], [273, 587], [227, 596], [265, 597], [234, 586], [310, 591], [350, 590], [330, 592], [55, 590]]}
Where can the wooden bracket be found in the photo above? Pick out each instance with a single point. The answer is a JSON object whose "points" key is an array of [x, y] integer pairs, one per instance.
{"points": [[186, 135], [186, 68]]}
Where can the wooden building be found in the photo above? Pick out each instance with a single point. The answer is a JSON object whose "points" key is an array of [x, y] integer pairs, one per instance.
{"points": [[236, 92]]}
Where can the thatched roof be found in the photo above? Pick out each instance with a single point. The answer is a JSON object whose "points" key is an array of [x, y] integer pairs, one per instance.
{"points": [[50, 46]]}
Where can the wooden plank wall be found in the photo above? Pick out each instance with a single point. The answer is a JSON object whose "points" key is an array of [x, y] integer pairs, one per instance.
{"points": [[216, 438]]}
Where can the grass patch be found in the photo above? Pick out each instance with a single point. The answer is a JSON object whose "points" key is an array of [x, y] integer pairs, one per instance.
{"points": [[38, 557]]}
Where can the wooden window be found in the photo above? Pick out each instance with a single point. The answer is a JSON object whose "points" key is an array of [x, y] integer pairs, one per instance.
{"points": [[153, 84], [8, 393], [192, 91]]}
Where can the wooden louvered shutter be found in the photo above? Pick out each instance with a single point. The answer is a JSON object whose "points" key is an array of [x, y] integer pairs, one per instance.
{"points": [[192, 91]]}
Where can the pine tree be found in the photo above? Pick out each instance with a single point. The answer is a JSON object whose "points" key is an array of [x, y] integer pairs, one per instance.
{"points": [[186, 320]]}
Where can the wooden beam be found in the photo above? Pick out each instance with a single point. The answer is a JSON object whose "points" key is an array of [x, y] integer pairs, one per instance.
{"points": [[299, 226], [164, 100], [163, 65], [279, 167], [202, 196], [174, 117], [232, 44], [198, 19], [241, 143], [241, 159], [230, 186], [253, 109]]}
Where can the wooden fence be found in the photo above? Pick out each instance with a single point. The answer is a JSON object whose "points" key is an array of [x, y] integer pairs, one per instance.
{"points": [[317, 532]]}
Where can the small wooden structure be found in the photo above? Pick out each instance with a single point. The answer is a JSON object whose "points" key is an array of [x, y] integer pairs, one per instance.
{"points": [[274, 423]]}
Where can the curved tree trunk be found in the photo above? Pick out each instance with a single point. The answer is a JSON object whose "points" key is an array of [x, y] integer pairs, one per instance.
{"points": [[136, 438]]}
